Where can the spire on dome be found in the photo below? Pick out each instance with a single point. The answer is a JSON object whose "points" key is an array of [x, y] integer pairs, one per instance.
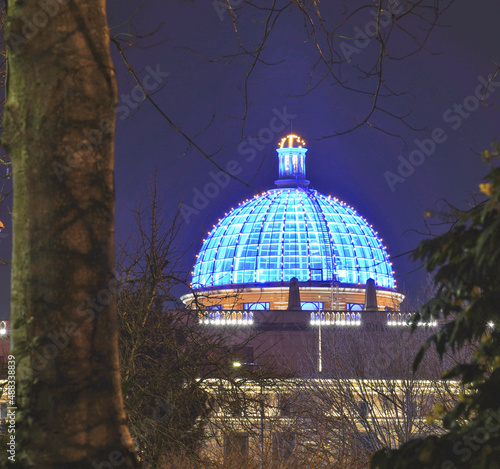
{"points": [[292, 162]]}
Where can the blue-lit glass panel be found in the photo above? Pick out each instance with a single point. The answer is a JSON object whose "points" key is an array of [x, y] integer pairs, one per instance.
{"points": [[355, 306], [292, 232]]}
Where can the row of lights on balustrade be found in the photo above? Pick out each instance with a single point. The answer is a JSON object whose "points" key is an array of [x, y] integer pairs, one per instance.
{"points": [[351, 319], [405, 319], [335, 319], [227, 318]]}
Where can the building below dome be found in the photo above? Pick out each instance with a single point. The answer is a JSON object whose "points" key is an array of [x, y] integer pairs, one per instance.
{"points": [[300, 290]]}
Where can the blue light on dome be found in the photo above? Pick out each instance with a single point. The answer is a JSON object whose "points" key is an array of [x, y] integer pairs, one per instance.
{"points": [[292, 232]]}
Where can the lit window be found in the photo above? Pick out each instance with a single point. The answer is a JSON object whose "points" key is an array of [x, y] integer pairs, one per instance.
{"points": [[355, 306], [311, 305], [256, 306], [363, 409], [236, 447], [283, 445]]}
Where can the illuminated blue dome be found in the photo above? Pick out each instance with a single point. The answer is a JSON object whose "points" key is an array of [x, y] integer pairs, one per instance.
{"points": [[292, 232]]}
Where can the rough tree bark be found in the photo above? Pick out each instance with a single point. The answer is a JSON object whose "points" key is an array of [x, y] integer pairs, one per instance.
{"points": [[59, 132]]}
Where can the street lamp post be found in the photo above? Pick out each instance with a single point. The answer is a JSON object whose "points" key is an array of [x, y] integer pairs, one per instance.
{"points": [[262, 411], [320, 345]]}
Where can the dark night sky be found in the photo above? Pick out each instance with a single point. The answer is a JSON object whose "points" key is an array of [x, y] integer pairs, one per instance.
{"points": [[350, 167]]}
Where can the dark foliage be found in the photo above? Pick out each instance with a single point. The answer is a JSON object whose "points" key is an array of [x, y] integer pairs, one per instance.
{"points": [[466, 263]]}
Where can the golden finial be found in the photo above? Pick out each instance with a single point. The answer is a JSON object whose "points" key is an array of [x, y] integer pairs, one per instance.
{"points": [[291, 138]]}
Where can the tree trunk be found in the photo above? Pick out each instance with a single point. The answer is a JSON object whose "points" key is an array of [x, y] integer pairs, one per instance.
{"points": [[59, 132]]}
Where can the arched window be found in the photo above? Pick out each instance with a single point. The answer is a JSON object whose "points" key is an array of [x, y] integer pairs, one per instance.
{"points": [[358, 318], [240, 316], [311, 305], [342, 317], [363, 409], [256, 306]]}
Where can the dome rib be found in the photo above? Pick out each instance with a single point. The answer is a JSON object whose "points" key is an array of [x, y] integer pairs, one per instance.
{"points": [[308, 244], [218, 246], [282, 238], [354, 246], [259, 254], [238, 242], [327, 242]]}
